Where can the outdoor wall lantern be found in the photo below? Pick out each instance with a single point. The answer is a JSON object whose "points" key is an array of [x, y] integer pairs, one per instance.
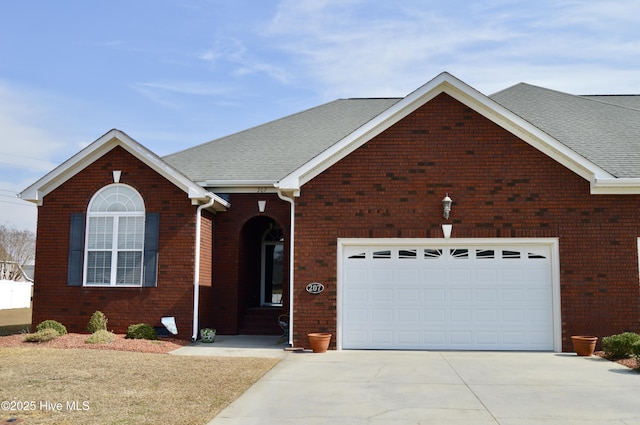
{"points": [[446, 206], [262, 205]]}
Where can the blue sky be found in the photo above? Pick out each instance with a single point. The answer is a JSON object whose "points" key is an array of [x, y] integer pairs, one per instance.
{"points": [[174, 74]]}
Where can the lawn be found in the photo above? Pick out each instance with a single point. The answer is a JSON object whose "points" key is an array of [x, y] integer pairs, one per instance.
{"points": [[78, 386]]}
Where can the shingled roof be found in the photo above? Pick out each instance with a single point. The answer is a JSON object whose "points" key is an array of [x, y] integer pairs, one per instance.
{"points": [[268, 152], [603, 129]]}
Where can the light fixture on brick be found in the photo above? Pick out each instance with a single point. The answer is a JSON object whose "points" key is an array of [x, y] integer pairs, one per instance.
{"points": [[446, 205]]}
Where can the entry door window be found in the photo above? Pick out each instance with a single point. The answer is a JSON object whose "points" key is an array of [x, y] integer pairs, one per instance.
{"points": [[272, 267]]}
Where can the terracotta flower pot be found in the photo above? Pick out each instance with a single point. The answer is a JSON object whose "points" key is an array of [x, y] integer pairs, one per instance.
{"points": [[584, 345], [319, 341]]}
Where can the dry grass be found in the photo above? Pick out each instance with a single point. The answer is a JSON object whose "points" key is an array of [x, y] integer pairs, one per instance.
{"points": [[115, 387]]}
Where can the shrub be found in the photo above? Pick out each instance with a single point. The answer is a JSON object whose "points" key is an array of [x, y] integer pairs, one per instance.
{"points": [[43, 335], [635, 351], [52, 324], [141, 331], [101, 336], [619, 346], [98, 322]]}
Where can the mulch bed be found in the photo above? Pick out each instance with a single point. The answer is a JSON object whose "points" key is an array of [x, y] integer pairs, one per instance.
{"points": [[75, 340], [631, 363]]}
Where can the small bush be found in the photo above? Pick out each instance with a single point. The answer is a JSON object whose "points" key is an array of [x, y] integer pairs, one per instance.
{"points": [[43, 335], [101, 336], [141, 331], [619, 346], [635, 351], [52, 324], [98, 322]]}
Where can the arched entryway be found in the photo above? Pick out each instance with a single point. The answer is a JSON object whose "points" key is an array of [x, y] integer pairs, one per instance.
{"points": [[263, 276]]}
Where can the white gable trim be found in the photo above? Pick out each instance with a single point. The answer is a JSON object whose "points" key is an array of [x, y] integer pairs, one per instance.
{"points": [[446, 83], [37, 191]]}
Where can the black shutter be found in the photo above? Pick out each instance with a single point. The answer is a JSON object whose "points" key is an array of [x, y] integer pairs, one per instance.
{"points": [[76, 250], [151, 236]]}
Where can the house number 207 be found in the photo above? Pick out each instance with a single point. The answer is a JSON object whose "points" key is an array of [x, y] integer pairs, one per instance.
{"points": [[315, 288]]}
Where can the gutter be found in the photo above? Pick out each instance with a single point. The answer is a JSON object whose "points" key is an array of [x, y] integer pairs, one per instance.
{"points": [[290, 200], [196, 274]]}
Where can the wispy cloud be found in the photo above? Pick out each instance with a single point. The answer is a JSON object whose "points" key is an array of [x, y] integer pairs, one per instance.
{"points": [[170, 94], [231, 53], [357, 48], [25, 144]]}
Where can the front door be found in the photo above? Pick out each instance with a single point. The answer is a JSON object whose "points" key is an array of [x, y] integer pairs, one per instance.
{"points": [[271, 267]]}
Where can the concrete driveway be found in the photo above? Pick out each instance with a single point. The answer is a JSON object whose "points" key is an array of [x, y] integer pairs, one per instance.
{"points": [[404, 387]]}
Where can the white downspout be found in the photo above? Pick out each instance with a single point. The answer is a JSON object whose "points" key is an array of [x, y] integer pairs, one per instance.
{"points": [[291, 258], [196, 274]]}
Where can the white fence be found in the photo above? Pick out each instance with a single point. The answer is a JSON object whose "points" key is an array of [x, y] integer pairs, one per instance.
{"points": [[15, 294]]}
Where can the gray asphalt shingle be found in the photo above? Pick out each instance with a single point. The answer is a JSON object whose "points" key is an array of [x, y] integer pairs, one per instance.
{"points": [[271, 151], [605, 129]]}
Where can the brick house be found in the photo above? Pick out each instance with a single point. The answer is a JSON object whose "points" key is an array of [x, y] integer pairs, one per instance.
{"points": [[335, 217]]}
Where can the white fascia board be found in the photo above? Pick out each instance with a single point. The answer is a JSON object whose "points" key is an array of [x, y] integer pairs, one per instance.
{"points": [[70, 167], [613, 186], [445, 83], [529, 133], [37, 191], [219, 203], [295, 180]]}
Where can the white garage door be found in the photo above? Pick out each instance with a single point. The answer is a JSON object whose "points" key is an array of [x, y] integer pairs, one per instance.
{"points": [[447, 297]]}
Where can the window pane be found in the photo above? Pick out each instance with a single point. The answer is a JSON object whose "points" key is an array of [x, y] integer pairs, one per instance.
{"points": [[129, 268], [510, 254], [98, 267], [485, 253], [408, 253], [117, 198], [382, 254], [459, 253], [432, 253], [100, 233], [273, 274], [130, 232]]}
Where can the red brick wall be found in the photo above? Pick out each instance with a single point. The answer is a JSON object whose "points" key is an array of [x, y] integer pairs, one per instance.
{"points": [[233, 273], [501, 187], [73, 306]]}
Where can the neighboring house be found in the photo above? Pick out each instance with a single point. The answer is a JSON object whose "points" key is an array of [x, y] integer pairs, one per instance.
{"points": [[544, 242]]}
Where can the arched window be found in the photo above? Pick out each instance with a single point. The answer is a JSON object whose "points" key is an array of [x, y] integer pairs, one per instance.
{"points": [[114, 237]]}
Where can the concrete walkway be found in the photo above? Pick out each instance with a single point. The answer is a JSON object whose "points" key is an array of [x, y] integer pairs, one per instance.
{"points": [[236, 346], [404, 387]]}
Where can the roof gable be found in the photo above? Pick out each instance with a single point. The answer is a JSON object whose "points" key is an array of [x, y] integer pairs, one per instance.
{"points": [[37, 191], [446, 83]]}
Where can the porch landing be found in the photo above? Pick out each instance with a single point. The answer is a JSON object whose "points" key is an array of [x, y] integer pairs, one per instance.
{"points": [[236, 346]]}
